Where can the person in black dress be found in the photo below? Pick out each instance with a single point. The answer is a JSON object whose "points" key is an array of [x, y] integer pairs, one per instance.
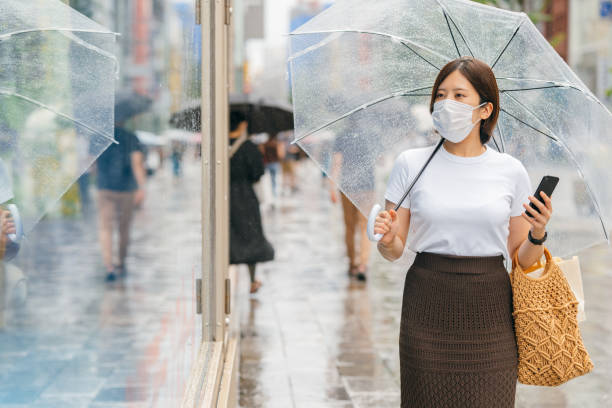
{"points": [[248, 244]]}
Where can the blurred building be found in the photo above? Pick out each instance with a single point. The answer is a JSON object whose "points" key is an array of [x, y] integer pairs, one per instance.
{"points": [[158, 44], [590, 44]]}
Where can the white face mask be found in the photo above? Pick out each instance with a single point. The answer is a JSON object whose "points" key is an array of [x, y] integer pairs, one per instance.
{"points": [[453, 120]]}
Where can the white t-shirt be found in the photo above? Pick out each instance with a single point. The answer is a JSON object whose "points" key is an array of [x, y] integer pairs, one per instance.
{"points": [[460, 205]]}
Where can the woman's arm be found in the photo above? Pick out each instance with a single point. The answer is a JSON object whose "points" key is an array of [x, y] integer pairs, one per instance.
{"points": [[280, 150], [528, 253], [394, 225]]}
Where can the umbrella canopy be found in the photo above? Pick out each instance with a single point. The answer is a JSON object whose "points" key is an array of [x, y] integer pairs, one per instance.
{"points": [[264, 116], [56, 100], [362, 73]]}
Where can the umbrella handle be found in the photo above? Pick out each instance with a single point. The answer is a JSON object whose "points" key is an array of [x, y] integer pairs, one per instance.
{"points": [[371, 219], [16, 237]]}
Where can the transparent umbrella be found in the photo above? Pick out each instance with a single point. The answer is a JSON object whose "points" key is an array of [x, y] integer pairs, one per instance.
{"points": [[56, 101], [362, 74]]}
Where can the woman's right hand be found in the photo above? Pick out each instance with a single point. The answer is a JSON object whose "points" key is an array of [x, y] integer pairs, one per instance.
{"points": [[7, 225], [386, 223]]}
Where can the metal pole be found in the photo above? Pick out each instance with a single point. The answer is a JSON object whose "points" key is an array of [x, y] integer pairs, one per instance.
{"points": [[215, 212]]}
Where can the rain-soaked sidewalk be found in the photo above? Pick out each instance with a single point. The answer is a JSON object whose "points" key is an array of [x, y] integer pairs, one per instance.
{"points": [[78, 341], [314, 338]]}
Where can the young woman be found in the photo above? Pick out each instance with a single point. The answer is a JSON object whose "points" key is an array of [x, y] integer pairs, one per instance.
{"points": [[462, 218]]}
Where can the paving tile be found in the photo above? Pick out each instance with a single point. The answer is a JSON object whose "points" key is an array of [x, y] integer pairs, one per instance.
{"points": [[376, 400]]}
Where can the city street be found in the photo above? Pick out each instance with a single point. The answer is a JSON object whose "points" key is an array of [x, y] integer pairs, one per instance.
{"points": [[314, 338], [79, 341], [311, 337]]}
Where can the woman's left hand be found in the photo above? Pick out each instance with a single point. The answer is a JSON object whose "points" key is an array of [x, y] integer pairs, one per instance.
{"points": [[540, 219]]}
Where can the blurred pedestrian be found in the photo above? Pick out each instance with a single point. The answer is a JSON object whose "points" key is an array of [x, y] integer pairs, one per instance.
{"points": [[248, 244], [83, 182], [359, 174], [288, 165], [178, 150], [273, 153], [121, 177]]}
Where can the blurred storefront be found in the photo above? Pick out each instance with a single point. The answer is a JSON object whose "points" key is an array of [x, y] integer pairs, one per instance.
{"points": [[590, 45]]}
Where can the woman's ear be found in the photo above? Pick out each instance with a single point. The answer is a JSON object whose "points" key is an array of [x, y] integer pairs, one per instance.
{"points": [[487, 110]]}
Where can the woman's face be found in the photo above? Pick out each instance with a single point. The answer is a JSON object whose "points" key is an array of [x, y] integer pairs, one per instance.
{"points": [[458, 88]]}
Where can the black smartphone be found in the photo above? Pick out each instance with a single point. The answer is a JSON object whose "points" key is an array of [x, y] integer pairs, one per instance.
{"points": [[547, 185]]}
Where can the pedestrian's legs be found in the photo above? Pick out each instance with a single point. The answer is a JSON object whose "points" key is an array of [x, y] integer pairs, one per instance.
{"points": [[106, 219], [273, 168], [83, 183], [252, 271], [285, 167], [126, 210], [255, 284], [348, 209], [364, 243]]}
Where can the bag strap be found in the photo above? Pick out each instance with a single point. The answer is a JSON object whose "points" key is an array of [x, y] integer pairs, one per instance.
{"points": [[537, 265], [234, 148], [399, 203]]}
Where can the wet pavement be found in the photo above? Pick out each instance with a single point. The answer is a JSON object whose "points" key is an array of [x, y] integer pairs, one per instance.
{"points": [[77, 341], [313, 338]]}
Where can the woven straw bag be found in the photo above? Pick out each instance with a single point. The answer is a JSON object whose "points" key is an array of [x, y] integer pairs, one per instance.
{"points": [[550, 347]]}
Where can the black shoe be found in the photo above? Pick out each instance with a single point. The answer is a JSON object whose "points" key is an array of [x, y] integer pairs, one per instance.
{"points": [[110, 277], [361, 276]]}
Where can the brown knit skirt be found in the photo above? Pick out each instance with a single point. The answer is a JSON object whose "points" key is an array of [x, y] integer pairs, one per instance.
{"points": [[457, 344]]}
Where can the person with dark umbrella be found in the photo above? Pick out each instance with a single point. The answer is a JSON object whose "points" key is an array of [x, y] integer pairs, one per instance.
{"points": [[248, 244]]}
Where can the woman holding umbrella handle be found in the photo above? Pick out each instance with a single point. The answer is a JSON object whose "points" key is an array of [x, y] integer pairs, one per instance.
{"points": [[464, 215]]}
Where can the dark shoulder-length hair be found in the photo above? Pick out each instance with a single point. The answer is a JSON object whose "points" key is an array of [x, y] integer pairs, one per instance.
{"points": [[483, 80]]}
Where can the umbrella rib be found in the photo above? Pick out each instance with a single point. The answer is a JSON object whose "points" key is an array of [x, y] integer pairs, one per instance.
{"points": [[508, 43], [501, 137], [588, 187], [364, 106], [450, 30], [495, 142], [70, 35], [559, 85], [571, 155], [393, 37], [34, 30], [50, 109], [522, 105], [531, 89], [446, 13], [528, 125], [420, 56], [316, 46]]}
